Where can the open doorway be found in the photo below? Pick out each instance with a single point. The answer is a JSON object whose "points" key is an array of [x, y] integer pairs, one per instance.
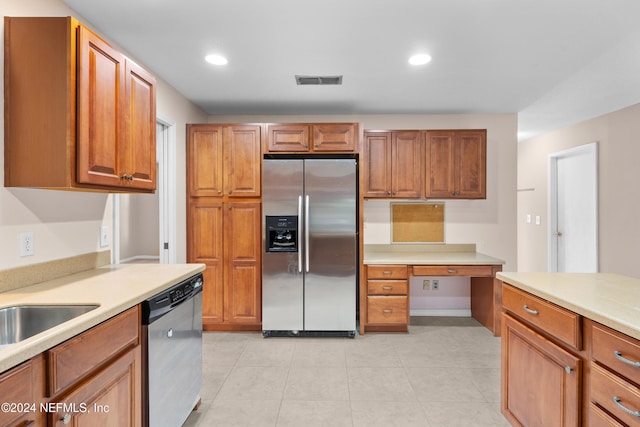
{"points": [[573, 210], [144, 225]]}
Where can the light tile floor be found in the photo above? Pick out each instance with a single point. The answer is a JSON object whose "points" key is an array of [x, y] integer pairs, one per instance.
{"points": [[444, 372]]}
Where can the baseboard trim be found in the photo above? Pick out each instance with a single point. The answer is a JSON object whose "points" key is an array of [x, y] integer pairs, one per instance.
{"points": [[441, 312]]}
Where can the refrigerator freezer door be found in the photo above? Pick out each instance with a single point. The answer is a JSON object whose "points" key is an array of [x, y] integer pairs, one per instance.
{"points": [[330, 283], [282, 273]]}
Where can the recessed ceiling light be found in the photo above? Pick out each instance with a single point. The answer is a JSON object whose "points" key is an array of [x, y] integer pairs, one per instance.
{"points": [[419, 59], [216, 59]]}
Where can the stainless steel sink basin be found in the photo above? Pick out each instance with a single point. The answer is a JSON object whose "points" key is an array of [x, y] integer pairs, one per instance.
{"points": [[20, 322]]}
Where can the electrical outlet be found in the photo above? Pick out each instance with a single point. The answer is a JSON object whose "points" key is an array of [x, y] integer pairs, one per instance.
{"points": [[26, 243], [104, 236], [426, 285], [436, 285]]}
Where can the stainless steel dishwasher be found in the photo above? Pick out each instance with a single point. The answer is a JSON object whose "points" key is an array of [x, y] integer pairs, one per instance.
{"points": [[172, 349]]}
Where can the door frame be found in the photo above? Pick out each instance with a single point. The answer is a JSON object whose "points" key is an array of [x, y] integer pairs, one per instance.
{"points": [[552, 244], [166, 188], [166, 152]]}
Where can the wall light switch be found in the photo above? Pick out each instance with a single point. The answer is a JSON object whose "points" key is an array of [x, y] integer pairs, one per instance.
{"points": [[528, 218], [538, 221], [104, 236]]}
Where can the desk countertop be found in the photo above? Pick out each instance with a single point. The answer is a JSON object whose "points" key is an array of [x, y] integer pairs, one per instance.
{"points": [[610, 299], [451, 254], [115, 288]]}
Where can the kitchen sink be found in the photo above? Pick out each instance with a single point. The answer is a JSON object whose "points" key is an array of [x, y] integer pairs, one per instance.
{"points": [[20, 322]]}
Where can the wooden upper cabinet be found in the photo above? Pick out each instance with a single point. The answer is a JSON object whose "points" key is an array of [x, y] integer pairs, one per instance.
{"points": [[393, 164], [101, 81], [87, 122], [223, 160], [456, 163], [204, 160], [377, 164], [309, 138], [242, 174], [139, 149]]}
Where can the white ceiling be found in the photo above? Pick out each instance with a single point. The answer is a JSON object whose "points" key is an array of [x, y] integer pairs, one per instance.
{"points": [[544, 59]]}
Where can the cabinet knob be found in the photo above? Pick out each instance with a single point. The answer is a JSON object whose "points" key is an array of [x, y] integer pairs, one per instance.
{"points": [[315, 145], [453, 193], [230, 191], [568, 369], [388, 193], [219, 191], [66, 419]]}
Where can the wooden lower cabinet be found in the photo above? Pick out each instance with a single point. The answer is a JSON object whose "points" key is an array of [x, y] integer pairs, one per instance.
{"points": [[110, 398], [23, 387], [92, 379], [226, 237], [541, 382], [387, 300]]}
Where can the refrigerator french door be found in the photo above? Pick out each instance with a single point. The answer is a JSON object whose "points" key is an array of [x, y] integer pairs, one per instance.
{"points": [[309, 268]]}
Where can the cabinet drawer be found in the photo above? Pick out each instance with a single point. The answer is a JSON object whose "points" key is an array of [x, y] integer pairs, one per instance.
{"points": [[78, 356], [556, 321], [599, 418], [387, 287], [386, 271], [616, 351], [453, 270], [606, 388], [387, 310]]}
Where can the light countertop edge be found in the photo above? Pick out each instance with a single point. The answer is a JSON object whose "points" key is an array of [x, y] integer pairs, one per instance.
{"points": [[610, 299], [447, 254], [115, 288]]}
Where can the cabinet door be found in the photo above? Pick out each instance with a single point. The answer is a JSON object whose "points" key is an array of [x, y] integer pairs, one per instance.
{"points": [[139, 149], [335, 137], [101, 77], [406, 164], [24, 385], [470, 161], [439, 165], [205, 237], [377, 164], [285, 137], [242, 239], [242, 160], [112, 397], [541, 382], [204, 160]]}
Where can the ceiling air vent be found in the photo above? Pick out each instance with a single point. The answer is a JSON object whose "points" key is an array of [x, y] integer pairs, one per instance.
{"points": [[319, 80]]}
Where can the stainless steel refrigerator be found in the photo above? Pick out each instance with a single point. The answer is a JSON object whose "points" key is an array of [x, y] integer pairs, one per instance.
{"points": [[310, 246]]}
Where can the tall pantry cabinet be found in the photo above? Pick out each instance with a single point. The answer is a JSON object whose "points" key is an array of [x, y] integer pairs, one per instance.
{"points": [[223, 222]]}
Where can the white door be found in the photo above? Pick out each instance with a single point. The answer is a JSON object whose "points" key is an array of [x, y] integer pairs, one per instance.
{"points": [[573, 204]]}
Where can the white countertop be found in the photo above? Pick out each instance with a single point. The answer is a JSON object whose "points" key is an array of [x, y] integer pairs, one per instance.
{"points": [[447, 254], [610, 299], [114, 287]]}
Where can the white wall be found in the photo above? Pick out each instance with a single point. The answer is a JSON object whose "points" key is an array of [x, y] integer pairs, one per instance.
{"points": [[67, 223], [618, 137]]}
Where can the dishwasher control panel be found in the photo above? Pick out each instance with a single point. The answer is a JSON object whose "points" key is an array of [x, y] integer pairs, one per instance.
{"points": [[161, 303]]}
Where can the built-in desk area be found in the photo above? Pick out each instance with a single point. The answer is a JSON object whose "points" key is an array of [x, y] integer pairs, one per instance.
{"points": [[386, 273]]}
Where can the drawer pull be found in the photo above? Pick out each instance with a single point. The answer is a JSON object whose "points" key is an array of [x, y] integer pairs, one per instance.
{"points": [[623, 359], [452, 271], [530, 311], [387, 288], [616, 400], [387, 272], [387, 311]]}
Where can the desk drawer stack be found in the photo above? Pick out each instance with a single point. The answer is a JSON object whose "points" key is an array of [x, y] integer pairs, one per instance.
{"points": [[387, 298]]}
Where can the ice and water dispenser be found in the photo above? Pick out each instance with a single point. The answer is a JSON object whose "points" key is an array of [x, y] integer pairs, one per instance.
{"points": [[282, 233]]}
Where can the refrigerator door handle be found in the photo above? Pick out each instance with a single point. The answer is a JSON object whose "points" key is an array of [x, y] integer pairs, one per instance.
{"points": [[306, 232], [300, 234]]}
